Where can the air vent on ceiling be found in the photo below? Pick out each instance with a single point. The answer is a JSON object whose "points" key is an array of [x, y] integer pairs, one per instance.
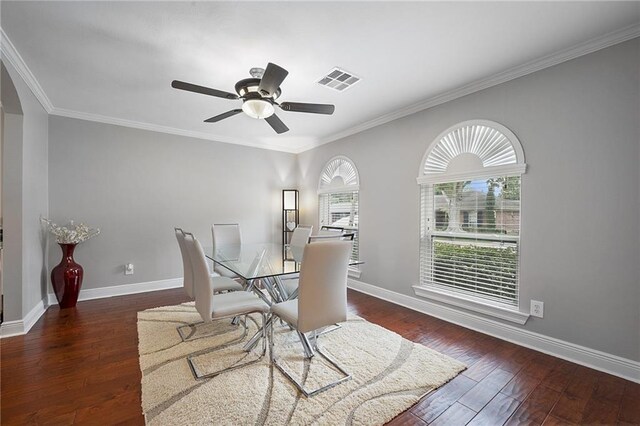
{"points": [[338, 79]]}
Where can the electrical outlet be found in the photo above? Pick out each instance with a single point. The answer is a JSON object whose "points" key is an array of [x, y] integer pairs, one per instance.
{"points": [[128, 269], [537, 308]]}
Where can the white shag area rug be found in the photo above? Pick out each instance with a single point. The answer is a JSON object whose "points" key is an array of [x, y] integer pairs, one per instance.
{"points": [[390, 374]]}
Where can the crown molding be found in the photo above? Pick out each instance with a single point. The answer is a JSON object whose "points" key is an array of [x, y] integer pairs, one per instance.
{"points": [[589, 46], [166, 129], [10, 52]]}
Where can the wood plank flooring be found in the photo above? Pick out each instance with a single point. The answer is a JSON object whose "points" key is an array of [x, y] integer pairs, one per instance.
{"points": [[80, 366]]}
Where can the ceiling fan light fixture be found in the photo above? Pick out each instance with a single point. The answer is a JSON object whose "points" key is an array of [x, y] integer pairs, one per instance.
{"points": [[258, 108], [258, 95]]}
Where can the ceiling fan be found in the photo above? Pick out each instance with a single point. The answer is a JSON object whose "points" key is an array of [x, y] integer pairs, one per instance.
{"points": [[258, 96]]}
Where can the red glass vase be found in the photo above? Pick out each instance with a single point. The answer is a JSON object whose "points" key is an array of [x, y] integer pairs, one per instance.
{"points": [[66, 278]]}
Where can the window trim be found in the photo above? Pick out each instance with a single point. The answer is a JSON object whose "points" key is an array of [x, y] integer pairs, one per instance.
{"points": [[323, 189], [426, 180], [471, 303]]}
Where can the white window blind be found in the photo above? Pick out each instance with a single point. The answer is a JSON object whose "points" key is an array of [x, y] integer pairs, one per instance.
{"points": [[470, 236], [340, 209]]}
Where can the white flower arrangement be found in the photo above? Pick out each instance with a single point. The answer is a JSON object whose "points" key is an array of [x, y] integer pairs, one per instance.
{"points": [[71, 234]]}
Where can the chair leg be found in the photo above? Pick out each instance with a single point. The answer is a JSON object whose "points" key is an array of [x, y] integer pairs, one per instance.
{"points": [[299, 386], [199, 376], [329, 329], [306, 345], [271, 327], [337, 366], [264, 333]]}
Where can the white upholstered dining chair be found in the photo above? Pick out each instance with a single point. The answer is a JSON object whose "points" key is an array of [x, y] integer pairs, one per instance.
{"points": [[222, 305], [290, 282], [225, 234], [301, 235], [299, 239], [321, 302], [218, 284]]}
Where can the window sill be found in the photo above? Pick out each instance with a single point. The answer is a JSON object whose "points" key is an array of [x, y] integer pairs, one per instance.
{"points": [[471, 303], [354, 272]]}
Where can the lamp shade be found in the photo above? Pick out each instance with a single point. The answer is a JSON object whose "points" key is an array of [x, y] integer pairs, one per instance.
{"points": [[290, 199]]}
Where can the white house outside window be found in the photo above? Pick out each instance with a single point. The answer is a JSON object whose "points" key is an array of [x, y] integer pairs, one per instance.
{"points": [[338, 198], [470, 215]]}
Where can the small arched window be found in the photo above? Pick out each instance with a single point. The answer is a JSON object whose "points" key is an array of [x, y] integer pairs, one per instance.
{"points": [[470, 213], [338, 198]]}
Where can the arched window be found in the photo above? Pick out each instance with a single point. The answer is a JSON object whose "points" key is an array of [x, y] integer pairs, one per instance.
{"points": [[338, 198], [470, 214]]}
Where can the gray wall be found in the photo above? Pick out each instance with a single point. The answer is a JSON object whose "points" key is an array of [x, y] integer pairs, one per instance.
{"points": [[579, 126], [12, 217], [25, 200], [137, 185]]}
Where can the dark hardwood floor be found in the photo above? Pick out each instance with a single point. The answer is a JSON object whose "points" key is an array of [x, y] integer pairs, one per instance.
{"points": [[81, 366]]}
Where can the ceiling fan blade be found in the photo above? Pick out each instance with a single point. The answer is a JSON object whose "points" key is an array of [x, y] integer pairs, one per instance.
{"points": [[277, 124], [223, 116], [177, 84], [312, 108], [272, 79]]}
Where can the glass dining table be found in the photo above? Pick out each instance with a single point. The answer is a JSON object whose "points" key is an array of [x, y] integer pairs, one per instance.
{"points": [[253, 261], [264, 263]]}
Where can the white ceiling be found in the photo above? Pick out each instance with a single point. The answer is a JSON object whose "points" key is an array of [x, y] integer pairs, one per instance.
{"points": [[114, 61]]}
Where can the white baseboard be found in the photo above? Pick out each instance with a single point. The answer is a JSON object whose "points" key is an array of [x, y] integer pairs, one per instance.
{"points": [[602, 361], [19, 327], [121, 290]]}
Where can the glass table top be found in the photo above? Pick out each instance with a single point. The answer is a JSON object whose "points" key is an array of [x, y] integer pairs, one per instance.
{"points": [[252, 261]]}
